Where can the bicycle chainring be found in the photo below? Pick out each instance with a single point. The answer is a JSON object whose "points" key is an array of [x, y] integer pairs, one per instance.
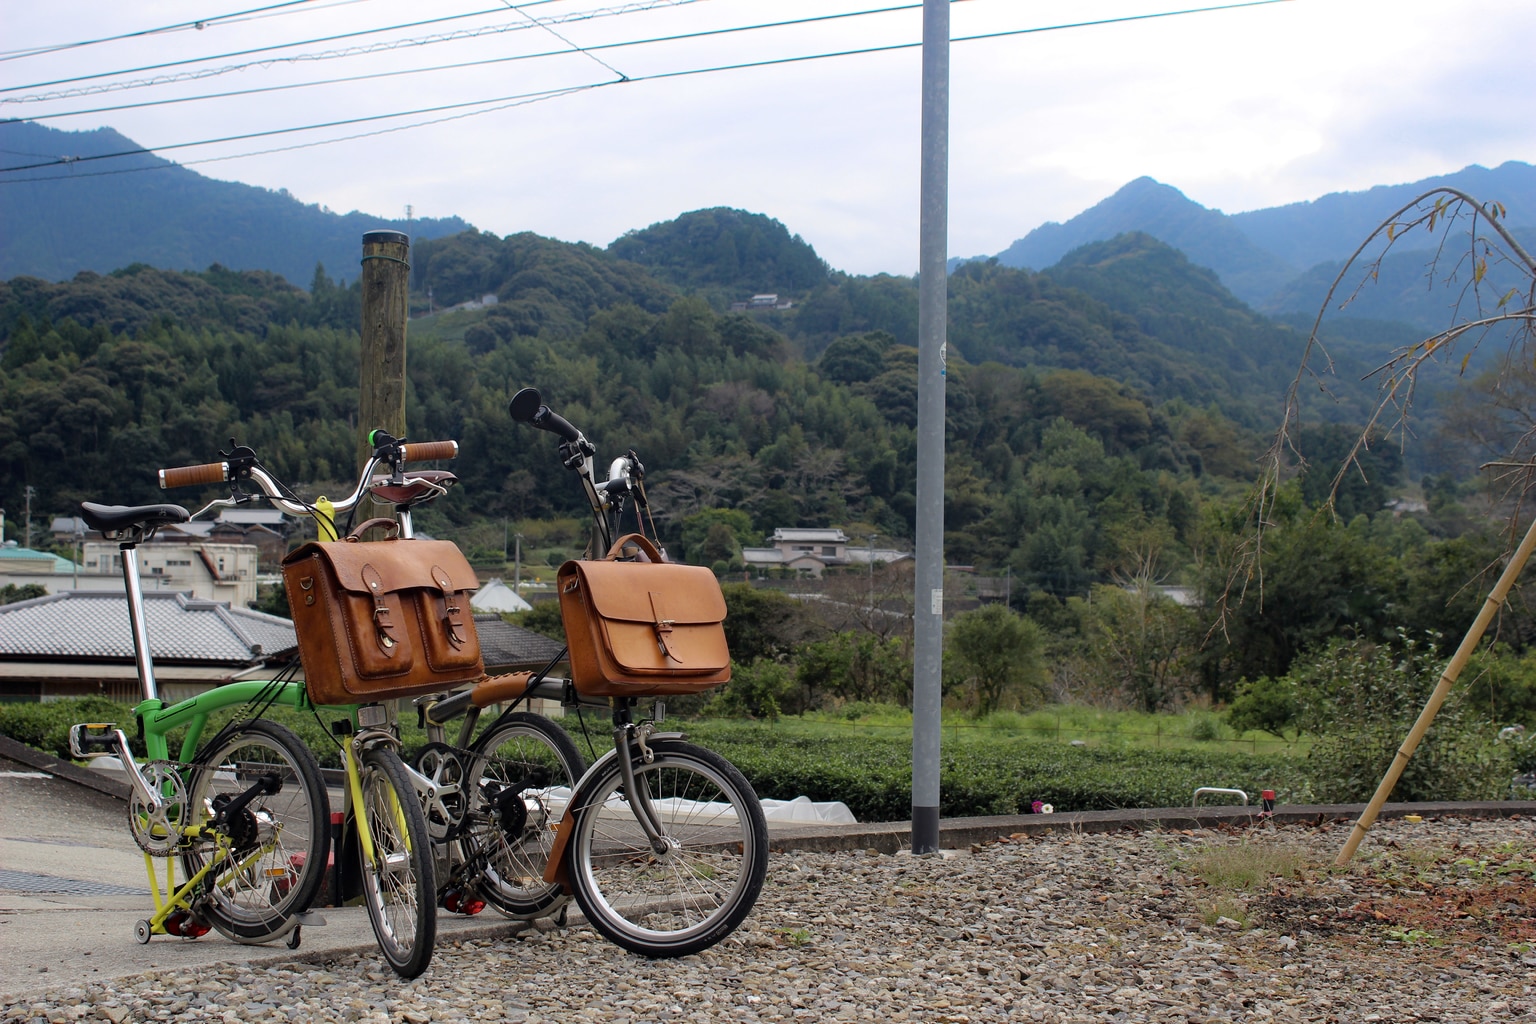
{"points": [[158, 831]]}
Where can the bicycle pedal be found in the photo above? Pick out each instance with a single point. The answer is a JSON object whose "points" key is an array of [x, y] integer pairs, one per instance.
{"points": [[93, 739]]}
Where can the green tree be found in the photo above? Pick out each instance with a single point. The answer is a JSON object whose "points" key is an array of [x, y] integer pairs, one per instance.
{"points": [[855, 667], [997, 654], [762, 624]]}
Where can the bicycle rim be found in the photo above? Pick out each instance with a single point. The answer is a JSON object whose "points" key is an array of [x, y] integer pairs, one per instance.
{"points": [[277, 847], [693, 894], [398, 883], [521, 778]]}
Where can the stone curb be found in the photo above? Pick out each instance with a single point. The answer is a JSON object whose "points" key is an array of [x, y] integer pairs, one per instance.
{"points": [[956, 833]]}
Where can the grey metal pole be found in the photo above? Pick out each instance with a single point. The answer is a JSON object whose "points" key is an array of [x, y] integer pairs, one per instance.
{"points": [[932, 298]]}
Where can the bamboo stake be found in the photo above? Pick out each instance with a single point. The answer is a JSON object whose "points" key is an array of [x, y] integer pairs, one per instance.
{"points": [[1442, 689]]}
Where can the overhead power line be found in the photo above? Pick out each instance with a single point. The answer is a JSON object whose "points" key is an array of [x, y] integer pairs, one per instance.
{"points": [[462, 65], [351, 51], [268, 49], [180, 26], [656, 76]]}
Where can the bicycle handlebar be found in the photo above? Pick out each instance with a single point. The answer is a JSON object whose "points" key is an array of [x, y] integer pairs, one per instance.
{"points": [[430, 451], [388, 450], [527, 406], [193, 476]]}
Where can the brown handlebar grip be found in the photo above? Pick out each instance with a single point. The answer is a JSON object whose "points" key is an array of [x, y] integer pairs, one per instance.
{"points": [[193, 476], [430, 451]]}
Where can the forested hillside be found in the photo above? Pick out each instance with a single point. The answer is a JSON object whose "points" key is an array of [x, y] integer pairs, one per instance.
{"points": [[1103, 421]]}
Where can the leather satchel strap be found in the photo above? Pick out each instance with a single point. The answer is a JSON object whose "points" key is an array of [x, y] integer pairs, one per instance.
{"points": [[384, 624], [639, 540], [379, 522], [663, 627], [453, 613]]}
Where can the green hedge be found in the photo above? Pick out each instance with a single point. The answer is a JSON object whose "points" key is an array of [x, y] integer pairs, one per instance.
{"points": [[980, 775], [984, 776]]}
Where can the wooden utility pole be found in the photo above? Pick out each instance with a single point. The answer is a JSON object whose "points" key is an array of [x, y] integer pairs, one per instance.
{"points": [[386, 283]]}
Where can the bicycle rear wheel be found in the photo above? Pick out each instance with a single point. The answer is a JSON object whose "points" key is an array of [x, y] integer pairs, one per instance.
{"points": [[690, 895], [519, 781], [399, 883], [279, 841]]}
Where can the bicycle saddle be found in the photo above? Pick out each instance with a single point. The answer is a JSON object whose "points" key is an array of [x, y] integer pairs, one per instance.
{"points": [[419, 486], [115, 518]]}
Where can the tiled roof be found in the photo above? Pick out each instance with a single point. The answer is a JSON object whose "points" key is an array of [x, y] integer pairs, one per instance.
{"points": [[506, 647], [807, 534], [90, 624]]}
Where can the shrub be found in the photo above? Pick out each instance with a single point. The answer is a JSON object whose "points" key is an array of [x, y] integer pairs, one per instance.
{"points": [[46, 725], [1362, 698], [758, 690]]}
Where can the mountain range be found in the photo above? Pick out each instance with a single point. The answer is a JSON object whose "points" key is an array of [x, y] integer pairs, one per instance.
{"points": [[146, 209], [1283, 258], [1278, 260]]}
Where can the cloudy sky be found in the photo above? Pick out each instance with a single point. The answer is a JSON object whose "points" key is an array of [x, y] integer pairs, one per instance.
{"points": [[581, 119]]}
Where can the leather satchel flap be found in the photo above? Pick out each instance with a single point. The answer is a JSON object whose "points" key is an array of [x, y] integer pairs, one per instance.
{"points": [[621, 591], [392, 565]]}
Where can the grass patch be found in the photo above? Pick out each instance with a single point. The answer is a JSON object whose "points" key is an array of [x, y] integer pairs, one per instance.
{"points": [[1246, 866], [1235, 871]]}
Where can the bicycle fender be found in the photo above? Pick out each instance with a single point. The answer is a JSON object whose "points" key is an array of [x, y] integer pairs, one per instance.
{"points": [[558, 868]]}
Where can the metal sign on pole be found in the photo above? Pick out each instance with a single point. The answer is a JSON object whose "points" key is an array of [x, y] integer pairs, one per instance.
{"points": [[932, 321]]}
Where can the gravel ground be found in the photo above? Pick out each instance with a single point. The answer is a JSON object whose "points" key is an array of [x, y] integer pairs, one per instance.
{"points": [[1434, 921]]}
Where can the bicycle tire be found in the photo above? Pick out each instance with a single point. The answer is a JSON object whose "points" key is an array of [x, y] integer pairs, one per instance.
{"points": [[258, 901], [692, 896], [399, 884], [527, 758]]}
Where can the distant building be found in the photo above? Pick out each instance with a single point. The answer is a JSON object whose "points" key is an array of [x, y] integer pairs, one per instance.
{"points": [[496, 596], [767, 300], [208, 570], [813, 551], [17, 560]]}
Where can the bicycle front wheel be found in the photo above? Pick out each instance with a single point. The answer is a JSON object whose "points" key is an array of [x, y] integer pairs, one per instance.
{"points": [[520, 779], [399, 886], [704, 881], [276, 843]]}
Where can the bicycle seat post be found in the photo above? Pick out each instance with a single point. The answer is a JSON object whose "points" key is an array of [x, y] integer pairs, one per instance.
{"points": [[135, 592]]}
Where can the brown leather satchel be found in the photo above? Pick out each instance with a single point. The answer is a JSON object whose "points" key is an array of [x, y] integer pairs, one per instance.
{"points": [[382, 619], [639, 629]]}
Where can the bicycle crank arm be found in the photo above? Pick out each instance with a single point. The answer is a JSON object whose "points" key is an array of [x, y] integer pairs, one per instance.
{"points": [[110, 741]]}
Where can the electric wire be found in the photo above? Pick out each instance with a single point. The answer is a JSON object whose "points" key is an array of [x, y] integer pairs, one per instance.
{"points": [[656, 76], [462, 65], [354, 51], [268, 49], [180, 26]]}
